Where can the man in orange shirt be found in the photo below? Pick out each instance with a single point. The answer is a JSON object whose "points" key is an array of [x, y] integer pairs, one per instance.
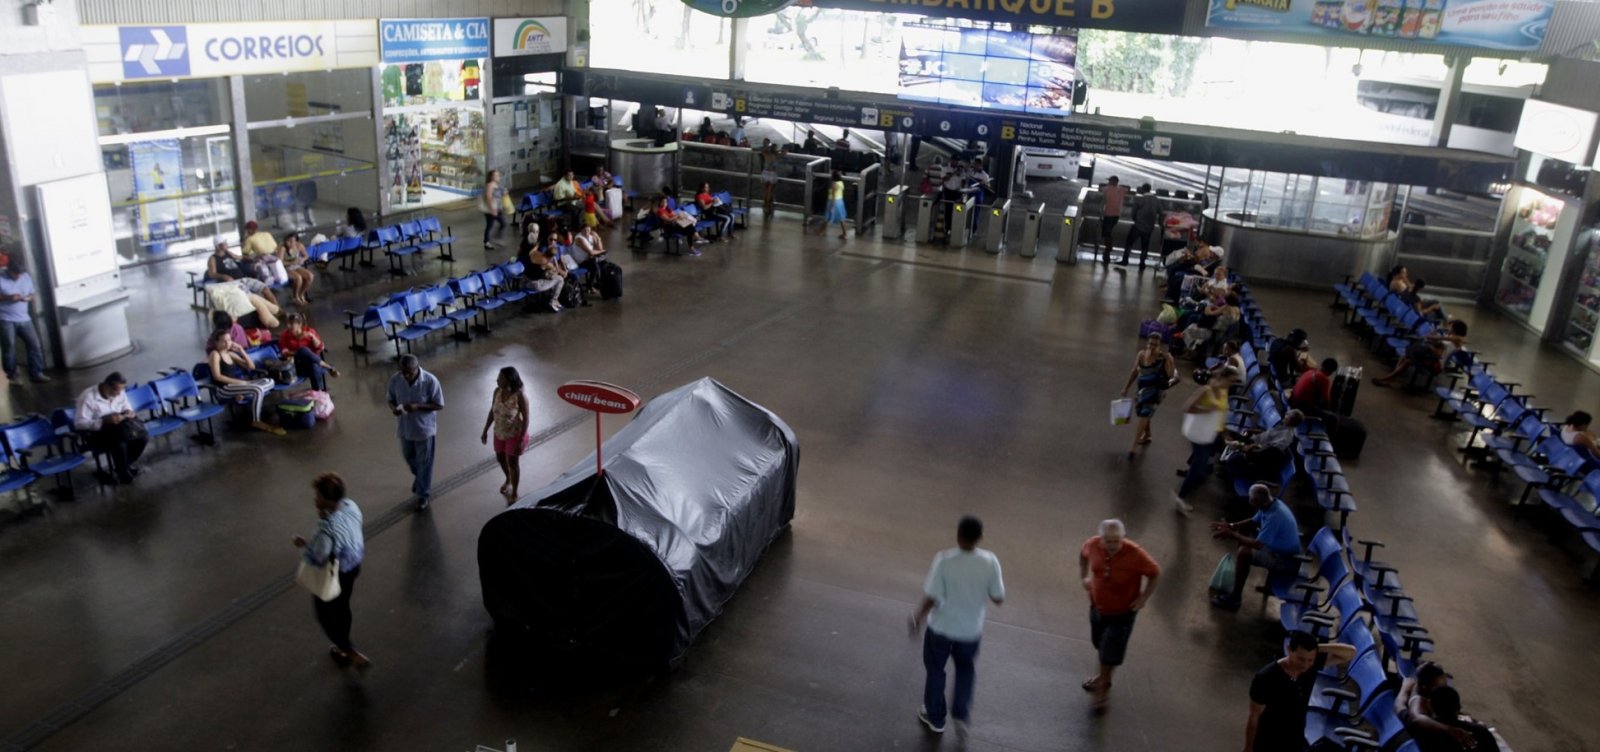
{"points": [[1119, 576]]}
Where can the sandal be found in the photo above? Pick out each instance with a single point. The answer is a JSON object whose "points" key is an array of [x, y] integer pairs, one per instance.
{"points": [[1089, 684], [339, 656]]}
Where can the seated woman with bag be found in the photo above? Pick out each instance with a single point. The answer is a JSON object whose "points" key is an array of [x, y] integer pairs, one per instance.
{"points": [[302, 343], [233, 374]]}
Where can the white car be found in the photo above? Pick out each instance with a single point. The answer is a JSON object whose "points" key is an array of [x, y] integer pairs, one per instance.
{"points": [[1051, 163]]}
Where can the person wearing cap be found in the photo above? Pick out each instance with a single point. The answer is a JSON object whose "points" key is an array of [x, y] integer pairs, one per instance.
{"points": [[104, 415]]}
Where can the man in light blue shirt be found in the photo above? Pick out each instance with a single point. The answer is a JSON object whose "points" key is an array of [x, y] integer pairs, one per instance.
{"points": [[961, 584], [414, 397], [1274, 546], [16, 320]]}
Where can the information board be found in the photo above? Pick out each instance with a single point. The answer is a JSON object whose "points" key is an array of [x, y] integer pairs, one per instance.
{"points": [[75, 220]]}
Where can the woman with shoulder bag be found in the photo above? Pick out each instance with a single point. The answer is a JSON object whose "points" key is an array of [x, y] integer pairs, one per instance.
{"points": [[339, 538], [1204, 417], [1153, 372]]}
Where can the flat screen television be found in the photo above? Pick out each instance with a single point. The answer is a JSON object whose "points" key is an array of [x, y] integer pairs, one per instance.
{"points": [[988, 68]]}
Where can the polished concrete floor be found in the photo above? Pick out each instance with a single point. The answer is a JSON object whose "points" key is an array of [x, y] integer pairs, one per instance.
{"points": [[923, 384]]}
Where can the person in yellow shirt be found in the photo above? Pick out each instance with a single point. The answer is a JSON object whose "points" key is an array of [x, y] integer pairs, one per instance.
{"points": [[261, 250]]}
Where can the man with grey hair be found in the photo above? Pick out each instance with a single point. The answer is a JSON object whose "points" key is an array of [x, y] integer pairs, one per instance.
{"points": [[1119, 576], [414, 397], [1269, 539]]}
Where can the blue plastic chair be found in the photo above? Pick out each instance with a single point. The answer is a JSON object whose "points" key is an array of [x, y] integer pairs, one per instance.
{"points": [[33, 434], [181, 392]]}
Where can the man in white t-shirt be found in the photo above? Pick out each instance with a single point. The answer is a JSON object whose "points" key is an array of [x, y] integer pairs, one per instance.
{"points": [[961, 584]]}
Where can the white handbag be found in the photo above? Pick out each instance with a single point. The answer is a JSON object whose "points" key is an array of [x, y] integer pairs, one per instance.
{"points": [[322, 581], [1200, 428]]}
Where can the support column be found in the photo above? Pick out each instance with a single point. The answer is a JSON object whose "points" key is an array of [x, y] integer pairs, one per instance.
{"points": [[737, 49], [244, 175], [1444, 116], [379, 138]]}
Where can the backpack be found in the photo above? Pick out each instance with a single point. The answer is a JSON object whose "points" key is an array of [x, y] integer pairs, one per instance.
{"points": [[572, 295], [610, 281]]}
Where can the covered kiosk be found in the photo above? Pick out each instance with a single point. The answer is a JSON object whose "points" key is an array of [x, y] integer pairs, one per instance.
{"points": [[616, 573]]}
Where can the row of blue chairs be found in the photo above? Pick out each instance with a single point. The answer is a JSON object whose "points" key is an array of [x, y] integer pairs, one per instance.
{"points": [[462, 304], [1341, 592], [410, 239], [642, 231], [36, 447], [1507, 431], [1390, 326], [398, 242]]}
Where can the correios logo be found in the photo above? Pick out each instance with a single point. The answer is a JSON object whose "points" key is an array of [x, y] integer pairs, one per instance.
{"points": [[530, 35]]}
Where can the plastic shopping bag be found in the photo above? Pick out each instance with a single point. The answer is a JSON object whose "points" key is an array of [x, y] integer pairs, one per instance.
{"points": [[1121, 411], [1222, 576]]}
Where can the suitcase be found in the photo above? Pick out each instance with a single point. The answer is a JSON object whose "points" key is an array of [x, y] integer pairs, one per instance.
{"points": [[610, 281], [1344, 394], [1348, 439], [614, 202], [297, 413]]}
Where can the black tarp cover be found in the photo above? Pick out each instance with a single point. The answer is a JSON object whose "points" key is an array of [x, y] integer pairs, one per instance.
{"points": [[625, 573]]}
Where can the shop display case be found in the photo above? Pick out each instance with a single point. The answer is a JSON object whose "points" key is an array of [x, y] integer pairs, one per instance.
{"points": [[1584, 318], [1307, 204], [1533, 233]]}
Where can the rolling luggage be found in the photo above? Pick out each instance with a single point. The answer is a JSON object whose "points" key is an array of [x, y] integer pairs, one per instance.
{"points": [[297, 413], [610, 281], [1343, 394], [1348, 439]]}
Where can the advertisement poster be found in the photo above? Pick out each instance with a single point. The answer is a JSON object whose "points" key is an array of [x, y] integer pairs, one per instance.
{"points": [[988, 68], [515, 37], [1485, 24], [157, 172]]}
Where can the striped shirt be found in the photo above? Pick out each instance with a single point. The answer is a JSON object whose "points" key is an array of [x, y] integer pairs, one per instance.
{"points": [[338, 535]]}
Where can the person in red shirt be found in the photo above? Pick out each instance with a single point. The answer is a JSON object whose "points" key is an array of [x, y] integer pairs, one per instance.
{"points": [[302, 343], [1119, 577], [1313, 391]]}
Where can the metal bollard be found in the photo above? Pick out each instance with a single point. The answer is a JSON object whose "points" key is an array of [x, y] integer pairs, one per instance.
{"points": [[894, 215], [994, 231], [1030, 231]]}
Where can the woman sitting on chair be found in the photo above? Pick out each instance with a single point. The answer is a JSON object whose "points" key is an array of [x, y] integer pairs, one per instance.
{"points": [[233, 375], [1430, 353]]}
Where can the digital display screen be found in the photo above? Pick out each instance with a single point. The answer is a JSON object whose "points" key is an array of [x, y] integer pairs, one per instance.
{"points": [[1007, 70]]}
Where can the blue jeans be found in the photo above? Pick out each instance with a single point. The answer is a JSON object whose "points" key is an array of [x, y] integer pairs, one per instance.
{"points": [[1199, 467], [936, 651], [9, 332], [307, 365], [419, 457]]}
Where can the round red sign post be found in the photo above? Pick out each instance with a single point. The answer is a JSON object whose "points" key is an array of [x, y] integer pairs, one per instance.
{"points": [[599, 398]]}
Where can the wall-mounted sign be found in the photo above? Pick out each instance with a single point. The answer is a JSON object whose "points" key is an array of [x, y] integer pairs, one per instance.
{"points": [[414, 40], [738, 8], [1486, 24], [75, 222], [529, 36], [1564, 133], [130, 53], [1150, 16]]}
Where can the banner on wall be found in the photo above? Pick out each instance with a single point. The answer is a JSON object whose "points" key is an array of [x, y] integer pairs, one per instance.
{"points": [[416, 40], [1148, 16], [209, 50], [515, 37], [1484, 24], [157, 168]]}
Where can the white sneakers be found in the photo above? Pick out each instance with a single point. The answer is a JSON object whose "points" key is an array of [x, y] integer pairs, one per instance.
{"points": [[1184, 508], [922, 715]]}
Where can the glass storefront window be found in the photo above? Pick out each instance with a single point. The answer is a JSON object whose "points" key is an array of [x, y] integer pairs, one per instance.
{"points": [[1329, 206], [433, 131], [168, 155], [309, 174], [660, 36], [297, 95], [1533, 232]]}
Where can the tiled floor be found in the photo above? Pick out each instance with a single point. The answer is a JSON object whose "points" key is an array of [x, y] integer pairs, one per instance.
{"points": [[921, 386]]}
